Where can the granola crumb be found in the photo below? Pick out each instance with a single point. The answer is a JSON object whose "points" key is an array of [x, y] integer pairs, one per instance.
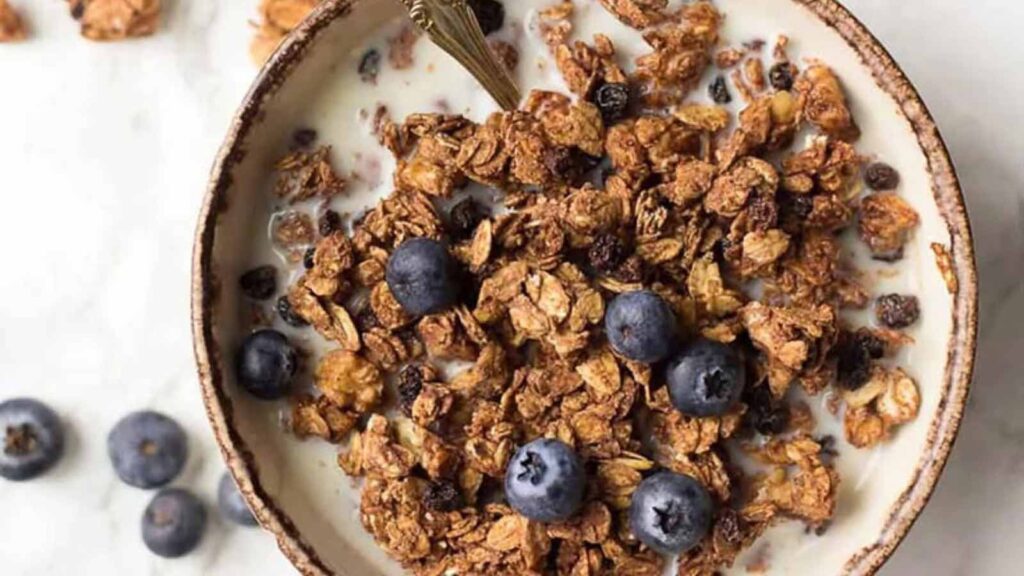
{"points": [[944, 261]]}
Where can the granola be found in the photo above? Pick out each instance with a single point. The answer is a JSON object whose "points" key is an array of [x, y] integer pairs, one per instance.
{"points": [[728, 218], [116, 19], [12, 28]]}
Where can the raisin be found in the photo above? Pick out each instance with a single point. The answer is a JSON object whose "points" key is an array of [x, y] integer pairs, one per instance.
{"points": [[410, 383], [613, 101], [489, 13], [781, 76], [897, 311], [304, 137], [855, 352], [764, 413], [78, 9], [762, 214], [307, 258], [442, 496], [881, 176], [259, 283], [369, 66], [606, 253], [631, 271], [329, 222], [719, 91], [288, 314], [366, 320], [464, 217]]}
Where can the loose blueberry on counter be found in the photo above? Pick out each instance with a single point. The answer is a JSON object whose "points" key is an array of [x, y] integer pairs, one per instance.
{"points": [[422, 276], [671, 513], [266, 363], [173, 523], [705, 379], [641, 326], [545, 481], [231, 503], [33, 439], [147, 449]]}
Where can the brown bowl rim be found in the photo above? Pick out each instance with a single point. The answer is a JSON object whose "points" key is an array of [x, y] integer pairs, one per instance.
{"points": [[887, 74]]}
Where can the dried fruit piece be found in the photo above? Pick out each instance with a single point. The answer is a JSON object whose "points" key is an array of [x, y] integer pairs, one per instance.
{"points": [[781, 75], [464, 217], [606, 253], [881, 176], [719, 90], [489, 13], [442, 496], [369, 66], [897, 311], [288, 314], [613, 100], [259, 283]]}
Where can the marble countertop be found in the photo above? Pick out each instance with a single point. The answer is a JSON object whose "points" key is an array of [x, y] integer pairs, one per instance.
{"points": [[104, 153]]}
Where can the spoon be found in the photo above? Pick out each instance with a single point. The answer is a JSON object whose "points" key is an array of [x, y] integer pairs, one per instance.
{"points": [[452, 26]]}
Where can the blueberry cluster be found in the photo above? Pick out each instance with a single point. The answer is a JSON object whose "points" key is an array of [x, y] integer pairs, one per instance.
{"points": [[147, 450]]}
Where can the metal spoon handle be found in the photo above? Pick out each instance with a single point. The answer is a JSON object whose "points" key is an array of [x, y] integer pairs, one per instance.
{"points": [[453, 27]]}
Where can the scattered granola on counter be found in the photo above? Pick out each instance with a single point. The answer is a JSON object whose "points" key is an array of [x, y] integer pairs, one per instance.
{"points": [[277, 19], [12, 28], [104, 20], [556, 305]]}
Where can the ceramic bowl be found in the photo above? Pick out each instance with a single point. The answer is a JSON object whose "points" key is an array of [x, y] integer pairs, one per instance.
{"points": [[295, 488]]}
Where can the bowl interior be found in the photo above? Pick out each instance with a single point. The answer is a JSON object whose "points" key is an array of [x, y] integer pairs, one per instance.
{"points": [[297, 486]]}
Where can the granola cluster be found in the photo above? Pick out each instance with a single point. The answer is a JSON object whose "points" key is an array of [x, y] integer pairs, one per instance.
{"points": [[12, 28], [106, 20], [277, 19], [675, 196]]}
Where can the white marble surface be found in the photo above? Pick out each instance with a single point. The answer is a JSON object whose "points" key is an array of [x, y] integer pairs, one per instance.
{"points": [[104, 151]]}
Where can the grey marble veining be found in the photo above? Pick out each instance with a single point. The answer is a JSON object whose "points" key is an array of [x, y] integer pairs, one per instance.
{"points": [[104, 151]]}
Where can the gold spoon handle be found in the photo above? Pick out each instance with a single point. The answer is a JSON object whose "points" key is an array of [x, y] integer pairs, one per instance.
{"points": [[453, 27]]}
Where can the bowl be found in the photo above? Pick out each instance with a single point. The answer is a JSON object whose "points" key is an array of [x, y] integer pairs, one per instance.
{"points": [[295, 488]]}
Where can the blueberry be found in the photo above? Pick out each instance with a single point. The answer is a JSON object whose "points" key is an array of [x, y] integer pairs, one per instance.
{"points": [[422, 276], [147, 449], [33, 439], [671, 513], [545, 481], [231, 503], [705, 379], [266, 363], [173, 523], [640, 326]]}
